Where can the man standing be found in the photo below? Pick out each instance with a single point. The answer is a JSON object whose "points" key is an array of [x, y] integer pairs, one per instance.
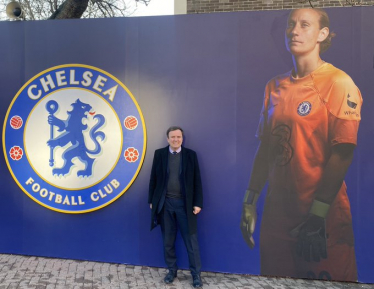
{"points": [[175, 198]]}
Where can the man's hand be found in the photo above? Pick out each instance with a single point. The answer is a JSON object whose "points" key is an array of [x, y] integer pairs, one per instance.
{"points": [[248, 223], [150, 206], [196, 210], [311, 238]]}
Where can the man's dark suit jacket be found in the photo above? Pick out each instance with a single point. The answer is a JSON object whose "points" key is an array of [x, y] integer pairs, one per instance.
{"points": [[190, 182]]}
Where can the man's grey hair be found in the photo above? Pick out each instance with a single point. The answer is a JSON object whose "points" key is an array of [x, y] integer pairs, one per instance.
{"points": [[172, 128]]}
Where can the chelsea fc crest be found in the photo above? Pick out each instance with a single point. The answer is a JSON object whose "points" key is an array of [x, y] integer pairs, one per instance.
{"points": [[74, 138], [304, 108]]}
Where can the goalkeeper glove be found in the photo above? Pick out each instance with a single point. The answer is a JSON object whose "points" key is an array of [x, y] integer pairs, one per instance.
{"points": [[311, 234], [249, 216]]}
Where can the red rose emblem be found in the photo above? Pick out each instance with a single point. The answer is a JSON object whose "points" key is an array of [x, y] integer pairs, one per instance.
{"points": [[131, 155], [16, 153]]}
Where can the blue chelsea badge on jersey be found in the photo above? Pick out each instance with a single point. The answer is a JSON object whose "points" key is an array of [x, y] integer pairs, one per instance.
{"points": [[74, 138], [304, 108]]}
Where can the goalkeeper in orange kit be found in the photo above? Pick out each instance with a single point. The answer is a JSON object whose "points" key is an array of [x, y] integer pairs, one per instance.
{"points": [[308, 132]]}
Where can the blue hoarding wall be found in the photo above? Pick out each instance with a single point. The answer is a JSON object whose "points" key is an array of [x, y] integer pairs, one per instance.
{"points": [[206, 73]]}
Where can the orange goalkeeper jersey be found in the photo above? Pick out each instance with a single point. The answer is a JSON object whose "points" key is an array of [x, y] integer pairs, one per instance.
{"points": [[303, 119]]}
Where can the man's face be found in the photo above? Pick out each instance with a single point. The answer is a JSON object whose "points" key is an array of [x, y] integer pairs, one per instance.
{"points": [[175, 139], [303, 33]]}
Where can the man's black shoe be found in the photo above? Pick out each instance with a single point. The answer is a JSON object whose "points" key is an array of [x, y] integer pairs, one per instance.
{"points": [[197, 283], [169, 278]]}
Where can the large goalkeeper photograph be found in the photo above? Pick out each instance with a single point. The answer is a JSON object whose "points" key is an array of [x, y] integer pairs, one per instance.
{"points": [[307, 137]]}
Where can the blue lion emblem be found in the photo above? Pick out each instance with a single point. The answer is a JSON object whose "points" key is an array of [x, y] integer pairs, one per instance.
{"points": [[72, 129]]}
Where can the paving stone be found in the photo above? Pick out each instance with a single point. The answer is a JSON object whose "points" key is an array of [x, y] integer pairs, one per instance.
{"points": [[28, 272]]}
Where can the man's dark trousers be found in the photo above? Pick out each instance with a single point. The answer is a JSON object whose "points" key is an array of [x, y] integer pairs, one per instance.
{"points": [[173, 216]]}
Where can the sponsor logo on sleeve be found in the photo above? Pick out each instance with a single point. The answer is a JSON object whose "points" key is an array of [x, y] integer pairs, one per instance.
{"points": [[351, 104], [353, 112]]}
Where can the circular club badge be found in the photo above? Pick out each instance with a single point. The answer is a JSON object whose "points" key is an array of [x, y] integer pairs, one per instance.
{"points": [[304, 108], [74, 138]]}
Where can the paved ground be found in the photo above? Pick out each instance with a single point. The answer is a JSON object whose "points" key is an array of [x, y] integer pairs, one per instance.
{"points": [[46, 273]]}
